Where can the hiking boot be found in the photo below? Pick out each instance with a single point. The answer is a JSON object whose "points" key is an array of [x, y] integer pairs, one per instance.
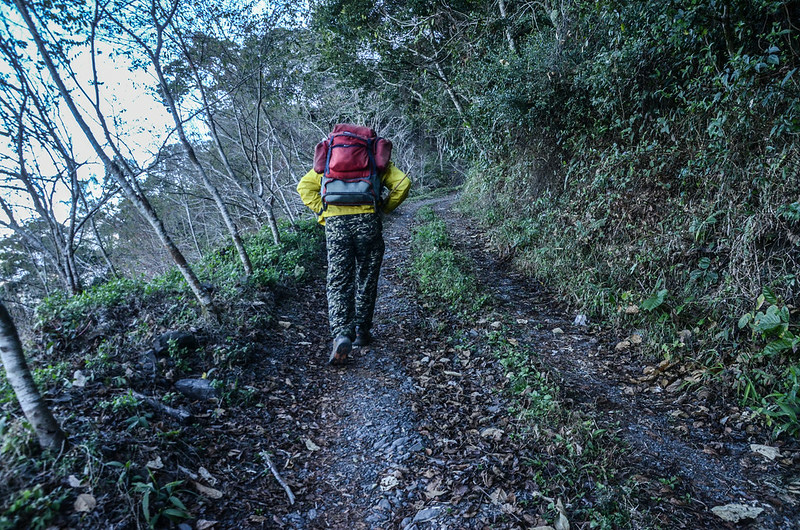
{"points": [[363, 337], [342, 346]]}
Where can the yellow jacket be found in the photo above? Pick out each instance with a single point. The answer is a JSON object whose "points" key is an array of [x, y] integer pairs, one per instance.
{"points": [[310, 185]]}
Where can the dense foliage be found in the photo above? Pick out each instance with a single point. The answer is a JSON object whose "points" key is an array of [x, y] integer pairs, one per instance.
{"points": [[641, 157]]}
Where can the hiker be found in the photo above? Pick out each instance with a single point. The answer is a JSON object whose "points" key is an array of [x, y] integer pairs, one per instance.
{"points": [[344, 190]]}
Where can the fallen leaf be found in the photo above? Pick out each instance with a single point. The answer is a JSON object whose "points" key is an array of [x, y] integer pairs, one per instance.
{"points": [[79, 379], [492, 433], [562, 523], [188, 472], [203, 524], [74, 482], [388, 483], [156, 463], [497, 324], [635, 338], [208, 477], [85, 503], [432, 490], [522, 321], [771, 453], [311, 446], [508, 508], [513, 342], [284, 324], [558, 331], [211, 493], [498, 496], [623, 345], [543, 528], [736, 512], [631, 310]]}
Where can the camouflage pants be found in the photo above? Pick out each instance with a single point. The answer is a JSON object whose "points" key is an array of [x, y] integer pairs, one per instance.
{"points": [[355, 252]]}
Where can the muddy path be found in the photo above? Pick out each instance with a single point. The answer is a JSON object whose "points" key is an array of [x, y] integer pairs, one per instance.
{"points": [[418, 430]]}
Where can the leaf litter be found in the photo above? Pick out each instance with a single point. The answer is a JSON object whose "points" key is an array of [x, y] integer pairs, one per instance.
{"points": [[426, 428]]}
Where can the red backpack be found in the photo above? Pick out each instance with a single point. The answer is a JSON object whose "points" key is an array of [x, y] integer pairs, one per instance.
{"points": [[352, 160]]}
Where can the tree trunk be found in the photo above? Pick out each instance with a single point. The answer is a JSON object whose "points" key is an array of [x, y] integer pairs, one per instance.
{"points": [[273, 225], [509, 38], [97, 237], [166, 92], [47, 430]]}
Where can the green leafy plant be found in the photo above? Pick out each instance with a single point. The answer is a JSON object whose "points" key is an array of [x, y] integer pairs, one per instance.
{"points": [[159, 501], [32, 508], [777, 342], [771, 326], [126, 401], [655, 300]]}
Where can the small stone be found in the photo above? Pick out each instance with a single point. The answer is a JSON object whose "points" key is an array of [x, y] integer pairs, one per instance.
{"points": [[558, 331], [384, 505], [623, 345], [148, 363], [771, 453], [735, 513], [398, 444], [428, 514], [85, 503], [388, 483], [581, 320]]}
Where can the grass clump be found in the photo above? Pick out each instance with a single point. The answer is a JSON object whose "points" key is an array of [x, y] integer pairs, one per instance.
{"points": [[441, 272]]}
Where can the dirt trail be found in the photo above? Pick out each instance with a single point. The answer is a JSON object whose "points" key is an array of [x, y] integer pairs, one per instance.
{"points": [[398, 437]]}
